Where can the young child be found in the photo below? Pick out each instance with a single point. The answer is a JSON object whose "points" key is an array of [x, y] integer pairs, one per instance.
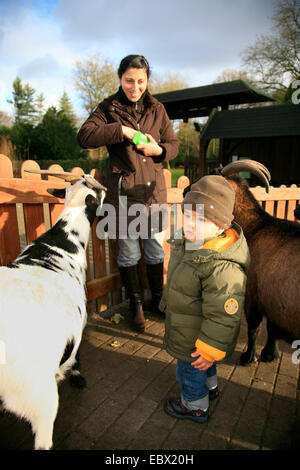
{"points": [[204, 296]]}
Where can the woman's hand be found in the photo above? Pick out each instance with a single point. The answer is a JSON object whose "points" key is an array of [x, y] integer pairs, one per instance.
{"points": [[200, 363], [151, 148], [128, 132]]}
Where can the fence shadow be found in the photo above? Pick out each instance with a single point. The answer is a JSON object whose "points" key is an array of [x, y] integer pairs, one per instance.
{"points": [[122, 406]]}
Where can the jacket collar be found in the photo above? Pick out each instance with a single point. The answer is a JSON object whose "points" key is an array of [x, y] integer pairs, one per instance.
{"points": [[121, 100], [227, 239]]}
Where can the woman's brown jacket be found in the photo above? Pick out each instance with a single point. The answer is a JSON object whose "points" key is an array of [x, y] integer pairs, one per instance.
{"points": [[129, 172]]}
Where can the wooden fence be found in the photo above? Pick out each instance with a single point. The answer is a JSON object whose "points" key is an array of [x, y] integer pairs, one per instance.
{"points": [[27, 211]]}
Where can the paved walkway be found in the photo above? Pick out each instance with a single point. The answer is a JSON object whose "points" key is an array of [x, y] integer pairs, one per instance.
{"points": [[130, 375]]}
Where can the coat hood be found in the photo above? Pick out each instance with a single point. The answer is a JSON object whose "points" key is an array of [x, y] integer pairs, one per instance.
{"points": [[237, 252]]}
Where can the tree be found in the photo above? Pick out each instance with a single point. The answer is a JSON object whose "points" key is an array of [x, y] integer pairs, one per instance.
{"points": [[95, 79], [229, 75], [21, 135], [188, 139], [275, 59], [55, 138], [66, 108], [40, 107], [171, 81], [23, 102]]}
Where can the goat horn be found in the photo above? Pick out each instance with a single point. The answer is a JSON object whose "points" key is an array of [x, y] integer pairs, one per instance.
{"points": [[69, 177], [254, 167], [93, 183], [253, 163]]}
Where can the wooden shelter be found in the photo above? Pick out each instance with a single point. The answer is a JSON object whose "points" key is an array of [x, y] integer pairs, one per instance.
{"points": [[202, 101], [268, 134]]}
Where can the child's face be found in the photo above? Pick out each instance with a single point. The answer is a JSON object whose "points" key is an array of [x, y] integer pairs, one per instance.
{"points": [[196, 227]]}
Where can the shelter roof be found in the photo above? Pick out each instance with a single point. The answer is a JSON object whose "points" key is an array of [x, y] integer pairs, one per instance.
{"points": [[200, 101], [261, 121]]}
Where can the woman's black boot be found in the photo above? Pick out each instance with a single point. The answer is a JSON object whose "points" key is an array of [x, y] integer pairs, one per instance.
{"points": [[155, 275], [131, 282]]}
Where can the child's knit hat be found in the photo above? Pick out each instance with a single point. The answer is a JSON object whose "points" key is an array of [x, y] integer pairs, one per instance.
{"points": [[216, 194]]}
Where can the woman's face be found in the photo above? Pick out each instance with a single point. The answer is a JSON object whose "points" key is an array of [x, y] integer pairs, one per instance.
{"points": [[134, 83]]}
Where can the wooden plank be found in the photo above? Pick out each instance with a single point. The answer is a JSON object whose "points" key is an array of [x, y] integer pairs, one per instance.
{"points": [[34, 221], [113, 253], [17, 190], [30, 165], [55, 211], [290, 210], [99, 256], [168, 178], [269, 208], [56, 169], [276, 194], [182, 182], [9, 234], [174, 196], [99, 264], [104, 285], [280, 212], [6, 169]]}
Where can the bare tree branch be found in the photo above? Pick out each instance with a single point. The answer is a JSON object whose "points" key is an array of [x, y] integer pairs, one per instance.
{"points": [[275, 59]]}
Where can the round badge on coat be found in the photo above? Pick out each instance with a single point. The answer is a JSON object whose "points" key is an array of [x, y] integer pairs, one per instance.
{"points": [[231, 306]]}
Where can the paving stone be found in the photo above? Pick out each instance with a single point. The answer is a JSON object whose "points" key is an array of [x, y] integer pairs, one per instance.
{"points": [[250, 426], [286, 386], [122, 405]]}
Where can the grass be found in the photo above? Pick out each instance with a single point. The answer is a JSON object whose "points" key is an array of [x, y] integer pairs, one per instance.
{"points": [[176, 172]]}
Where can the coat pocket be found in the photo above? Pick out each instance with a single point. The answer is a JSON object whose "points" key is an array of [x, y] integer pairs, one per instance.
{"points": [[134, 191], [185, 329]]}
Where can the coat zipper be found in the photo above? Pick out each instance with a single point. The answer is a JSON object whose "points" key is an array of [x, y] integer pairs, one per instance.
{"points": [[135, 123]]}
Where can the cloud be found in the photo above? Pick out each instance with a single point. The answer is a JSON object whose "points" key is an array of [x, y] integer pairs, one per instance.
{"points": [[41, 41], [31, 47], [173, 34], [40, 67]]}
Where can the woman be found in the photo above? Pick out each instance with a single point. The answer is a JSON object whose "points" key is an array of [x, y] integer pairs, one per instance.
{"points": [[134, 171]]}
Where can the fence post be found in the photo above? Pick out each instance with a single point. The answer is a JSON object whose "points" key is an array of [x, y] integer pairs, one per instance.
{"points": [[9, 232], [33, 213]]}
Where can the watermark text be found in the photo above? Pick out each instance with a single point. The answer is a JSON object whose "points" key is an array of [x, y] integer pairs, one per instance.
{"points": [[296, 93], [296, 354]]}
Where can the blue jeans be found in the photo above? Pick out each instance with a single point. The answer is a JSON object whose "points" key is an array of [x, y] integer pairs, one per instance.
{"points": [[130, 253], [195, 384]]}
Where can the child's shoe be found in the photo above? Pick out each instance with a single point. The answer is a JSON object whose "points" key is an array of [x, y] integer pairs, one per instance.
{"points": [[175, 408], [214, 393]]}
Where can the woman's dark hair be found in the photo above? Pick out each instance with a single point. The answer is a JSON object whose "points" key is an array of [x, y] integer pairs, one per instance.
{"points": [[133, 62]]}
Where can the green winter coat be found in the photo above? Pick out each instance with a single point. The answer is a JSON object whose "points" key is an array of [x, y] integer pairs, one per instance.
{"points": [[204, 297]]}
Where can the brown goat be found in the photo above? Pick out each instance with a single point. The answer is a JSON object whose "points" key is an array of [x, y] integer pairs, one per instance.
{"points": [[273, 278]]}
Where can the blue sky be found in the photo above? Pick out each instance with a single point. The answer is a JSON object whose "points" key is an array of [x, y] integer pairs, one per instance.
{"points": [[40, 40]]}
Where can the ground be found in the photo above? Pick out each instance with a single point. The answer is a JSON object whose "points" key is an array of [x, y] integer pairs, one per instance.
{"points": [[129, 375]]}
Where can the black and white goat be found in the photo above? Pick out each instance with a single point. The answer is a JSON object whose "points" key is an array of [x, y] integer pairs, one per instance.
{"points": [[43, 310]]}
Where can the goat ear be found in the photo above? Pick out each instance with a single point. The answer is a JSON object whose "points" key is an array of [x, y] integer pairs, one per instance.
{"points": [[89, 200], [57, 192]]}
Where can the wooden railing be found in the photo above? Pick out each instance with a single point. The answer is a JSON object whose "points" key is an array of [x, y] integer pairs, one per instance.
{"points": [[27, 211]]}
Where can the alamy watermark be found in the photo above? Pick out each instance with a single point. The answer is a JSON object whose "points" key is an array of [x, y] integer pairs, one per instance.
{"points": [[140, 221], [296, 93], [296, 354]]}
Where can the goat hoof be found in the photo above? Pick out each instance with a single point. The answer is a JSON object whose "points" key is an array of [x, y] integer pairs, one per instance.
{"points": [[268, 356], [77, 381], [247, 358]]}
